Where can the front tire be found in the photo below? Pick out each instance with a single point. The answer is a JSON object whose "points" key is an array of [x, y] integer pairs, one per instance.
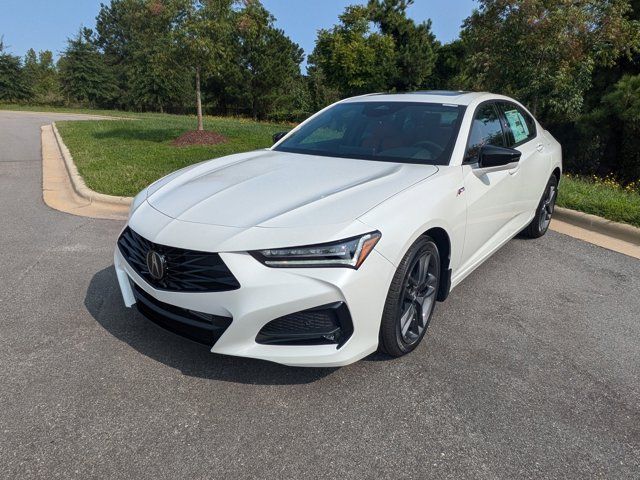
{"points": [[542, 219], [411, 299]]}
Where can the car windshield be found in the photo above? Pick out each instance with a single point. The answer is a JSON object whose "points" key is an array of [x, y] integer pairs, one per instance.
{"points": [[408, 132]]}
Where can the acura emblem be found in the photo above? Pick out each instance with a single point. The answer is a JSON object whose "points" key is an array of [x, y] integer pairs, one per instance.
{"points": [[155, 264]]}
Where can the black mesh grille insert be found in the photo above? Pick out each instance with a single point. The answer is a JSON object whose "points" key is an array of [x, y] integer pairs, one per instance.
{"points": [[186, 270], [328, 324], [302, 323]]}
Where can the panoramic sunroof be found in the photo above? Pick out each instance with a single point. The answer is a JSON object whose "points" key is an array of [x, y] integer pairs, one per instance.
{"points": [[444, 93]]}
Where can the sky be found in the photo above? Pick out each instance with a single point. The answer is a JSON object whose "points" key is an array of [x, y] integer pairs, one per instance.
{"points": [[46, 24]]}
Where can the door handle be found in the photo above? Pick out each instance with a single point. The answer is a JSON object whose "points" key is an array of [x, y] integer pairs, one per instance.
{"points": [[540, 147]]}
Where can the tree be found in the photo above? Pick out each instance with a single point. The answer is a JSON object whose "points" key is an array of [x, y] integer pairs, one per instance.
{"points": [[201, 39], [624, 101], [137, 41], [448, 67], [415, 44], [30, 68], [620, 110], [544, 52], [232, 58], [397, 54], [84, 75], [320, 93], [41, 76], [13, 86], [352, 58], [269, 61]]}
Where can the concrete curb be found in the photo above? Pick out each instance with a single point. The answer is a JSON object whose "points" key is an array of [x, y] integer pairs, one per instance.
{"points": [[77, 182], [620, 231], [59, 193]]}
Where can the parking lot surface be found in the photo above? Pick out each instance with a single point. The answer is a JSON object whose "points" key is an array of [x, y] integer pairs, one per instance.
{"points": [[531, 369]]}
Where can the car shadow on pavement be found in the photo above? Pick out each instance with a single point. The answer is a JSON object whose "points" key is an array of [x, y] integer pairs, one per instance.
{"points": [[104, 303]]}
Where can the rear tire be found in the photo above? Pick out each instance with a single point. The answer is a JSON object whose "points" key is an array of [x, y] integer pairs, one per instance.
{"points": [[542, 219], [411, 299]]}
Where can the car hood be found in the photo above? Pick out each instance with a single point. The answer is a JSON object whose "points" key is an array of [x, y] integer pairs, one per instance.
{"points": [[280, 190]]}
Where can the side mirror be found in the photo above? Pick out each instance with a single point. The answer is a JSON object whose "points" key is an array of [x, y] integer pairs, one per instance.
{"points": [[277, 136], [492, 156]]}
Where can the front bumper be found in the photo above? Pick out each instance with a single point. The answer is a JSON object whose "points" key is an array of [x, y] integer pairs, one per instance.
{"points": [[269, 293]]}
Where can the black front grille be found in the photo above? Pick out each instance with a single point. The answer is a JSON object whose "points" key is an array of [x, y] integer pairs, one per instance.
{"points": [[328, 324], [186, 270], [197, 326]]}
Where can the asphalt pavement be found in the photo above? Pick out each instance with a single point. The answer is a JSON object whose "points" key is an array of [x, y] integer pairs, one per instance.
{"points": [[531, 369]]}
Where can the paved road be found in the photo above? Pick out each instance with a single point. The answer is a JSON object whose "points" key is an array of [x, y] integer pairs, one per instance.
{"points": [[530, 369]]}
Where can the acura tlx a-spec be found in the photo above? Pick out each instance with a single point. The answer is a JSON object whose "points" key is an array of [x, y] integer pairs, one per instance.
{"points": [[339, 239]]}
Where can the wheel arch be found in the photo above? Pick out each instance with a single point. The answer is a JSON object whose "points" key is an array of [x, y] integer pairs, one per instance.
{"points": [[556, 173]]}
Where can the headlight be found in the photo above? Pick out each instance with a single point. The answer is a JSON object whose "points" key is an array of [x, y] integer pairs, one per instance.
{"points": [[137, 201], [344, 253]]}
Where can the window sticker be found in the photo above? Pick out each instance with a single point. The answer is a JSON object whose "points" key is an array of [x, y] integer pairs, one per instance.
{"points": [[517, 124]]}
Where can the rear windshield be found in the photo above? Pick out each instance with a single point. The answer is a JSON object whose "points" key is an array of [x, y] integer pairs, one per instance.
{"points": [[411, 132]]}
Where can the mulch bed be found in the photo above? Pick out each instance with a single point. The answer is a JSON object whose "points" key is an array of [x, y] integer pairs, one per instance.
{"points": [[198, 137]]}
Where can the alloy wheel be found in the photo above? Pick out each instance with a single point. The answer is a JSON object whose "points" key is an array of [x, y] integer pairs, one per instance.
{"points": [[548, 204], [418, 298]]}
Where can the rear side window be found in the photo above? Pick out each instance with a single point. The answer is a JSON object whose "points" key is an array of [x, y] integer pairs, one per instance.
{"points": [[520, 124], [485, 130]]}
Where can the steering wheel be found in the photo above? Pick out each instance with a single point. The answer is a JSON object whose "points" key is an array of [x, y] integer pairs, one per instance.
{"points": [[431, 146]]}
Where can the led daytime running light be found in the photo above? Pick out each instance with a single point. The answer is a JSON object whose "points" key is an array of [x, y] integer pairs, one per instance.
{"points": [[351, 252]]}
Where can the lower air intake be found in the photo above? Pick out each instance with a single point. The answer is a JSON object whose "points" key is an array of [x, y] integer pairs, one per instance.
{"points": [[327, 324], [200, 327]]}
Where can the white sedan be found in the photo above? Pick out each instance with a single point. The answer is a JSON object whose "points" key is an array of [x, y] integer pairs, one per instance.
{"points": [[340, 239]]}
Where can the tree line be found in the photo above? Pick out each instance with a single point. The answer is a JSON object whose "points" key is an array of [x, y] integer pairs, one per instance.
{"points": [[574, 63]]}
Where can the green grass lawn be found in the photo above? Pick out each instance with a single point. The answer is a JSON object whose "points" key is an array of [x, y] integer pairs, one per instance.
{"points": [[605, 200], [121, 157]]}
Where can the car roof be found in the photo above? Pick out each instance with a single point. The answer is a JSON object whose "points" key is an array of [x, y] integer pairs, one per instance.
{"points": [[454, 97]]}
